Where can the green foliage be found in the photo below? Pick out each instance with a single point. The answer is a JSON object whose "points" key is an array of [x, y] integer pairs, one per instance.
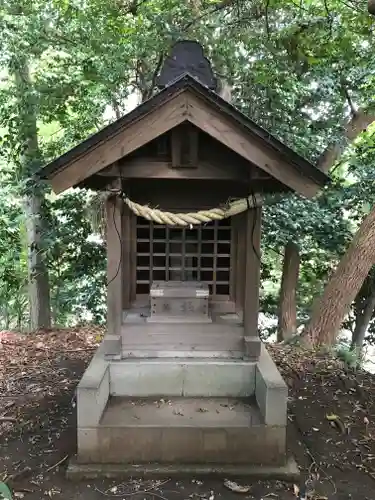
{"points": [[350, 357], [76, 264], [13, 265], [298, 69]]}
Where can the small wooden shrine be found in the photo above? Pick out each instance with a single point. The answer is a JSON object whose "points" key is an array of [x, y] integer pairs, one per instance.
{"points": [[183, 298]]}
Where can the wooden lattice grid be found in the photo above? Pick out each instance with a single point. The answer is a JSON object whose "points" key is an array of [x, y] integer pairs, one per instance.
{"points": [[200, 253]]}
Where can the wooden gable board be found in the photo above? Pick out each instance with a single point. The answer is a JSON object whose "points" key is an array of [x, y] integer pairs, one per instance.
{"points": [[127, 140], [232, 135], [186, 100]]}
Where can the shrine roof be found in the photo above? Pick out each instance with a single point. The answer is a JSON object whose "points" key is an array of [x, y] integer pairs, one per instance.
{"points": [[69, 169]]}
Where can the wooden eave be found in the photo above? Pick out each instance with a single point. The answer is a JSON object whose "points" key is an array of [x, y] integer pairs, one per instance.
{"points": [[185, 100]]}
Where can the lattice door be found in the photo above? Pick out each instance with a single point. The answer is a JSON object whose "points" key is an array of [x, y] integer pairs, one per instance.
{"points": [[201, 253]]}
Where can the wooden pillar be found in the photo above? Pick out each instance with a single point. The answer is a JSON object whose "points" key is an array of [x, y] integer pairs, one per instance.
{"points": [[126, 257], [233, 259], [252, 283], [241, 221], [133, 258], [129, 221], [115, 227]]}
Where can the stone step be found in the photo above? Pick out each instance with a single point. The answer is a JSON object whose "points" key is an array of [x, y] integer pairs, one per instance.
{"points": [[182, 377], [182, 430], [174, 351], [226, 340], [132, 330]]}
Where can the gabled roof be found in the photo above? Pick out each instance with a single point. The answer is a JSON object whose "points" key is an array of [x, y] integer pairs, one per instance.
{"points": [[185, 100]]}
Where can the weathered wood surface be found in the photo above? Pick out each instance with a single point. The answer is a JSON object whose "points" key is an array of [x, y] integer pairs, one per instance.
{"points": [[240, 223], [190, 194], [126, 216], [235, 137], [133, 258], [135, 135], [115, 276], [186, 106], [233, 259], [252, 272], [140, 168]]}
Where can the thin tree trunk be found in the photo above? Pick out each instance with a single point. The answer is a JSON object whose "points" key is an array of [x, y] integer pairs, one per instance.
{"points": [[358, 123], [362, 322], [39, 289], [287, 324], [116, 108], [331, 308], [7, 318]]}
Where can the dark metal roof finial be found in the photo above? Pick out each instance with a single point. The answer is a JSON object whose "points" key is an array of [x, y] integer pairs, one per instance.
{"points": [[187, 57]]}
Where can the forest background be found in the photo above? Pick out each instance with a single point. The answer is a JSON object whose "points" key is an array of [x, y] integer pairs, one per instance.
{"points": [[302, 69]]}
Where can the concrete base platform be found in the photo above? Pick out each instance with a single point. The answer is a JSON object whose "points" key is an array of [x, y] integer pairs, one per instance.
{"points": [[181, 412], [183, 430], [288, 472]]}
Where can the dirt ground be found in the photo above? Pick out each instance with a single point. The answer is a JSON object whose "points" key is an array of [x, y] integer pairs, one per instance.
{"points": [[331, 427]]}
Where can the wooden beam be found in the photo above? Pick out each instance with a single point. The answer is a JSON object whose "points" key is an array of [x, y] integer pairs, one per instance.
{"points": [[252, 272], [127, 140], [235, 137], [114, 235], [141, 168]]}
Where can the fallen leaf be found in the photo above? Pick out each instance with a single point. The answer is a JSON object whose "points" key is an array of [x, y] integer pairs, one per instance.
{"points": [[51, 492], [5, 491], [332, 417], [295, 490], [336, 421], [178, 412], [237, 488]]}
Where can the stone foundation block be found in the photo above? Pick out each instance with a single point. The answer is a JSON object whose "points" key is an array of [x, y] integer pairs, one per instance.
{"points": [[270, 390], [139, 444]]}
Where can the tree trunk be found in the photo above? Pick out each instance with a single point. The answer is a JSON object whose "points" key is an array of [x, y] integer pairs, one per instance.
{"points": [[362, 322], [331, 308], [39, 289], [287, 324], [358, 123]]}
